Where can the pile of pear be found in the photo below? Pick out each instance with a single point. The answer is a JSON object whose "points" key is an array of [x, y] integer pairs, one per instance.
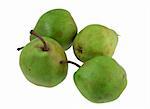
{"points": [[44, 62]]}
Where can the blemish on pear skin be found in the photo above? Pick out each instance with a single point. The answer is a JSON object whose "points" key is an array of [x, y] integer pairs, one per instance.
{"points": [[79, 49], [29, 69], [59, 33]]}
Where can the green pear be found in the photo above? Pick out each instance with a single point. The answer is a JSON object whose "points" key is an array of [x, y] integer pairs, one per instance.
{"points": [[95, 40], [41, 62], [59, 25], [100, 79]]}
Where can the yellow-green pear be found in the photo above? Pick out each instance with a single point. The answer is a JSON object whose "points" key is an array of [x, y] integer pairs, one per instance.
{"points": [[95, 40], [41, 61]]}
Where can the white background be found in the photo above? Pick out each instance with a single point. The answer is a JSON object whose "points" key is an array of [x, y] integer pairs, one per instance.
{"points": [[129, 18]]}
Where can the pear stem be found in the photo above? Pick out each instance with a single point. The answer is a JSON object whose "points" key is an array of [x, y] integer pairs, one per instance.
{"points": [[45, 48], [71, 62], [20, 48]]}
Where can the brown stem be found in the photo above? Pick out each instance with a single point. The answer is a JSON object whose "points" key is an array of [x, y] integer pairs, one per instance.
{"points": [[20, 48], [45, 48], [71, 62]]}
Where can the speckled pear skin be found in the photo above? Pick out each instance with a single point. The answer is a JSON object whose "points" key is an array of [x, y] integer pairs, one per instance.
{"points": [[43, 68], [95, 40], [59, 25], [101, 79]]}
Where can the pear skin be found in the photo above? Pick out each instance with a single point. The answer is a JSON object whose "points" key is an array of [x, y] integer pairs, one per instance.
{"points": [[59, 25], [95, 40], [41, 67], [101, 79]]}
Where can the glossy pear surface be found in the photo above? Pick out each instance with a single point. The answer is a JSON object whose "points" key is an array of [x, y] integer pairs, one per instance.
{"points": [[57, 24]]}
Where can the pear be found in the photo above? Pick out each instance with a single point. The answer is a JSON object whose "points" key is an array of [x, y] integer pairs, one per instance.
{"points": [[57, 24], [100, 79], [95, 40], [41, 61]]}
